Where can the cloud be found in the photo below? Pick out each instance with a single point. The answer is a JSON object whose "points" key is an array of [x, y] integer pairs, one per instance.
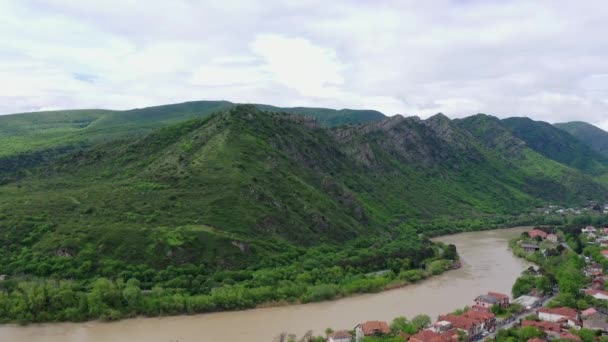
{"points": [[505, 58]]}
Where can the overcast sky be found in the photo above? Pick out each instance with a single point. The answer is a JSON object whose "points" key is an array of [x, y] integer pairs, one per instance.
{"points": [[544, 59]]}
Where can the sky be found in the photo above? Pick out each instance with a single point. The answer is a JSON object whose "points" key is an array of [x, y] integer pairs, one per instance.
{"points": [[547, 60]]}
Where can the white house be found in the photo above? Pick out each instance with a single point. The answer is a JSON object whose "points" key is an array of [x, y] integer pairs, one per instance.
{"points": [[597, 294], [559, 315], [340, 336]]}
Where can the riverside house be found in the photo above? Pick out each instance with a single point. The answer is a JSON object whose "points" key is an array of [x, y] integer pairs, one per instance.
{"points": [[371, 328], [340, 336], [562, 315], [530, 248]]}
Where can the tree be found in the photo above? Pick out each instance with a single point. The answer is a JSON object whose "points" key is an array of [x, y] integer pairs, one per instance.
{"points": [[420, 322], [527, 333], [329, 331]]}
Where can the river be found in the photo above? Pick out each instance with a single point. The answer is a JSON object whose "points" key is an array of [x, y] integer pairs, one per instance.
{"points": [[488, 265]]}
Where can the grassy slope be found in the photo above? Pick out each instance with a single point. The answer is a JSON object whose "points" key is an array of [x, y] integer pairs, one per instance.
{"points": [[558, 145], [593, 136], [23, 133]]}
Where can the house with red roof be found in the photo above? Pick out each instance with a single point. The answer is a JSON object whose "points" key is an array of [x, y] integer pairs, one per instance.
{"points": [[371, 328], [432, 336], [534, 233], [536, 339], [597, 294], [470, 326], [605, 253], [549, 328], [562, 315]]}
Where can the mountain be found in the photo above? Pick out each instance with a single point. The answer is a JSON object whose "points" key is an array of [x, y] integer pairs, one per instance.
{"points": [[593, 136], [40, 131], [557, 144], [230, 188]]}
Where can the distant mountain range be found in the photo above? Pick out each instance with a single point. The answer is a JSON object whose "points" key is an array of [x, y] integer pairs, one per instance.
{"points": [[217, 182]]}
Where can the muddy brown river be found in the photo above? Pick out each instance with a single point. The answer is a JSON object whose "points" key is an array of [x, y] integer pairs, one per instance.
{"points": [[487, 265]]}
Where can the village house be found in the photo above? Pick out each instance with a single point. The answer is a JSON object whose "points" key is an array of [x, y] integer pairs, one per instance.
{"points": [[593, 270], [594, 320], [432, 336], [371, 328], [562, 315], [598, 283], [604, 231], [551, 329], [528, 302], [487, 320], [528, 247], [534, 233], [340, 336], [597, 294], [588, 229], [473, 323], [552, 238], [485, 302], [605, 253], [536, 339]]}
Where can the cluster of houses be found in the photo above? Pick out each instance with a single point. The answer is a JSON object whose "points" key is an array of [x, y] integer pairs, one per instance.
{"points": [[592, 207], [597, 236], [537, 234], [471, 324]]}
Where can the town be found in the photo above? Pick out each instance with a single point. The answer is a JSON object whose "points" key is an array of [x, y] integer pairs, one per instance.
{"points": [[562, 298]]}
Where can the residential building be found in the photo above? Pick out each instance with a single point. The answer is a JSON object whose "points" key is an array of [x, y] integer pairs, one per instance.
{"points": [[588, 312], [605, 253], [528, 302], [371, 328], [588, 229], [594, 270], [597, 294], [595, 321], [502, 298], [340, 336], [432, 336], [528, 247], [550, 328], [565, 315], [534, 233], [552, 238]]}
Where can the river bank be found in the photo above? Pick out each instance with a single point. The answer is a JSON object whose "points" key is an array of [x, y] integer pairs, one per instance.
{"points": [[486, 264]]}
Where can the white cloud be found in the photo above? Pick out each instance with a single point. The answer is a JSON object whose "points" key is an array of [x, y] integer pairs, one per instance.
{"points": [[505, 58]]}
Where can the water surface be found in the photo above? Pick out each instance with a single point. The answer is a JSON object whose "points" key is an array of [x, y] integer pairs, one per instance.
{"points": [[488, 265]]}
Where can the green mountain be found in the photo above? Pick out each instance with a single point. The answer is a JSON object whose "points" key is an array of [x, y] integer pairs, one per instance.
{"points": [[558, 145], [593, 136], [241, 206]]}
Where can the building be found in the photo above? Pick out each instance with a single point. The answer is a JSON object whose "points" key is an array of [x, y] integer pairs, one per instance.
{"points": [[340, 336], [528, 247], [473, 323], [588, 229], [534, 233], [502, 298], [432, 336], [552, 238], [536, 339], [565, 315], [371, 328], [528, 302], [549, 328], [588, 312], [595, 321], [597, 294], [487, 320], [605, 253], [485, 302], [594, 270]]}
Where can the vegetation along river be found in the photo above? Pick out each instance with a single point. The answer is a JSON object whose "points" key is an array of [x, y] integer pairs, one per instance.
{"points": [[487, 265]]}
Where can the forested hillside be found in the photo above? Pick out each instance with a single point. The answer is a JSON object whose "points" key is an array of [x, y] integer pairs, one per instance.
{"points": [[244, 201]]}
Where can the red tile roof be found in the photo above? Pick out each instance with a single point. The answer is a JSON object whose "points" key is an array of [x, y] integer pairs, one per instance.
{"points": [[593, 292], [563, 311], [536, 339], [535, 232], [431, 336], [480, 316], [605, 252], [460, 322], [375, 327], [499, 296], [544, 326]]}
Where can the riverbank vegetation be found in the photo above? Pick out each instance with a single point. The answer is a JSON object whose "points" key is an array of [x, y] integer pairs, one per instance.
{"points": [[315, 274]]}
